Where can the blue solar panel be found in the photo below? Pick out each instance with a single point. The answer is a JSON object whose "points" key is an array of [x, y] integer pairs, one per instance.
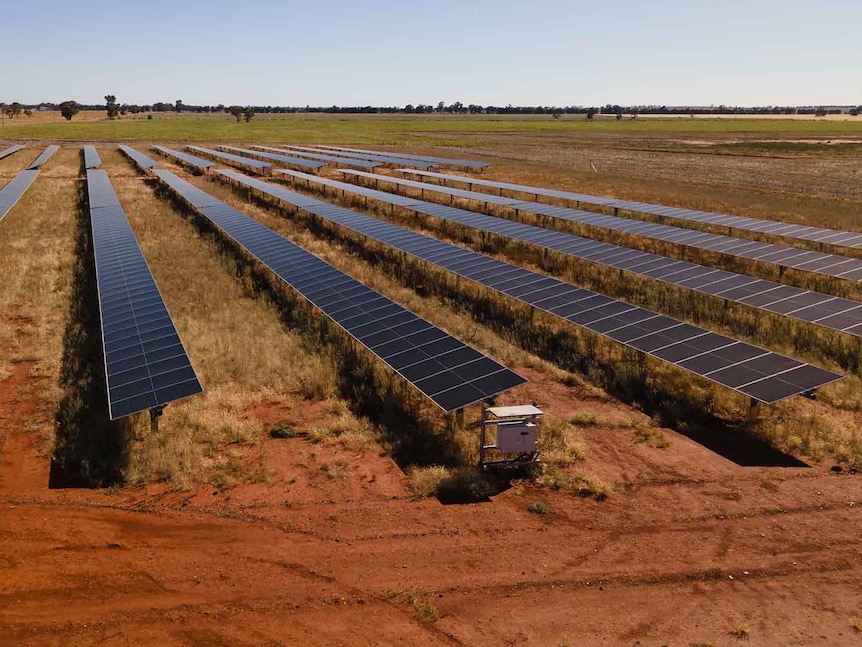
{"points": [[443, 161], [382, 158], [195, 163], [146, 365], [12, 192], [11, 151], [140, 159], [450, 373], [301, 151], [91, 158], [297, 162], [752, 371], [243, 162], [44, 157]]}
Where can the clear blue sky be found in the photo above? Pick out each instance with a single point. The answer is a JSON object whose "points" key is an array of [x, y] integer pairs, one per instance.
{"points": [[394, 52]]}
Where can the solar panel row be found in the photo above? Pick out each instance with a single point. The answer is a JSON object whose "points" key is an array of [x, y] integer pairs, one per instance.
{"points": [[243, 162], [831, 265], [146, 365], [738, 223], [284, 159], [196, 163], [11, 151], [445, 161], [338, 161], [450, 373], [140, 159], [91, 157], [44, 157], [12, 192], [755, 372], [388, 160], [835, 313]]}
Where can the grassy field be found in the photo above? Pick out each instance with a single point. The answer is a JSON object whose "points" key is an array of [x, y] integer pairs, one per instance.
{"points": [[403, 129]]}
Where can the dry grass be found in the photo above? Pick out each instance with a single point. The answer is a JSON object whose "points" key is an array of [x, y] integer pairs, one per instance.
{"points": [[581, 482]]}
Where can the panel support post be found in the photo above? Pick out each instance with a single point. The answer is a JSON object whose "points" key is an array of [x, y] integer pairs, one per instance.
{"points": [[155, 414], [459, 419], [753, 410]]}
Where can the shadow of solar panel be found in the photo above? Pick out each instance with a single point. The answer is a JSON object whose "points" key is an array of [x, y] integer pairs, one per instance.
{"points": [[284, 159], [447, 161], [727, 285], [407, 343], [190, 160], [140, 159], [688, 347], [238, 160], [47, 154], [12, 192], [146, 365]]}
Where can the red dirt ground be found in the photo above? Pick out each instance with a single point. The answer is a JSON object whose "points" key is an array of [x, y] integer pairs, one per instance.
{"points": [[689, 548]]}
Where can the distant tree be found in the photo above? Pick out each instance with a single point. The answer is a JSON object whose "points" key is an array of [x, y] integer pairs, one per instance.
{"points": [[69, 109], [248, 113], [591, 112], [237, 112], [557, 115], [440, 106], [28, 112], [111, 105], [178, 106], [820, 112], [855, 112], [13, 110], [634, 112]]}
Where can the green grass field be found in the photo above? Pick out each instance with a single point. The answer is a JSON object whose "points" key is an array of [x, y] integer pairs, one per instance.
{"points": [[404, 129]]}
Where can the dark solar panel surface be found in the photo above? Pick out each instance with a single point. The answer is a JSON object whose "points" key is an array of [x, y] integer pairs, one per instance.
{"points": [[11, 151], [91, 158], [146, 365], [741, 223], [282, 158], [446, 370], [447, 161], [140, 159], [824, 310], [185, 158], [12, 192], [301, 151], [753, 371], [44, 157], [831, 265], [378, 157], [257, 165]]}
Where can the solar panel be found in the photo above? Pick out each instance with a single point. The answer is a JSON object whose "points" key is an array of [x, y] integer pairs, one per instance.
{"points": [[12, 192], [196, 163], [388, 160], [843, 315], [450, 373], [284, 159], [444, 161], [91, 158], [338, 161], [733, 223], [830, 265], [140, 159], [752, 371], [243, 162], [44, 157], [11, 151], [146, 365]]}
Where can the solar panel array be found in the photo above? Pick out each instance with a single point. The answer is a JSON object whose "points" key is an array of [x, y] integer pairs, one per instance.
{"points": [[91, 158], [146, 365], [140, 159], [381, 158], [12, 192], [446, 161], [830, 265], [450, 373], [338, 161], [811, 307], [741, 223], [835, 313], [755, 372], [44, 157], [284, 159], [11, 151], [245, 162], [189, 160]]}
